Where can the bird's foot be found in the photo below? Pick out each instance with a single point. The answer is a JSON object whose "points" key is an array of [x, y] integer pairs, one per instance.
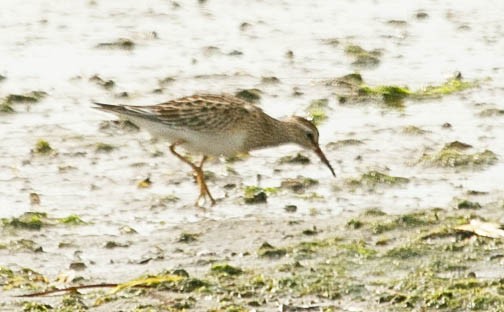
{"points": [[203, 200], [204, 192]]}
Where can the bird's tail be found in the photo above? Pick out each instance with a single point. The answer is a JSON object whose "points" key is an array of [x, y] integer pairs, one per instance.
{"points": [[109, 107]]}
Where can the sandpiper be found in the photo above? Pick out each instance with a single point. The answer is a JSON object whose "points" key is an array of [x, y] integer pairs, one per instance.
{"points": [[214, 125]]}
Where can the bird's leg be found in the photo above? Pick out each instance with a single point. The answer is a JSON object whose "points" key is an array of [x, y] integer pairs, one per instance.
{"points": [[200, 178], [198, 170]]}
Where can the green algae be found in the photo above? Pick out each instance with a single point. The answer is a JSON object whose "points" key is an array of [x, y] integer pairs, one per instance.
{"points": [[106, 84], [452, 85], [450, 156], [28, 220], [402, 255], [121, 43], [230, 308], [374, 178], [175, 280], [256, 195], [391, 95], [466, 204], [166, 81], [374, 212], [191, 284], [334, 42], [310, 196], [318, 104], [378, 222], [342, 269], [168, 199], [177, 304], [349, 81], [310, 232], [317, 110], [429, 272], [72, 219], [42, 147], [237, 157], [32, 96], [104, 147], [24, 245], [267, 250], [299, 184], [358, 248], [72, 302], [491, 112], [235, 53], [424, 288], [397, 23], [126, 229], [36, 220], [169, 280], [113, 244], [7, 104], [23, 278], [186, 237], [326, 279], [354, 89], [457, 145], [36, 307], [323, 286], [249, 95], [405, 252], [354, 224], [270, 80], [343, 143], [225, 269], [363, 57], [413, 130], [77, 266], [6, 272], [6, 107], [145, 183], [421, 15], [290, 208], [296, 159], [309, 249], [405, 221]]}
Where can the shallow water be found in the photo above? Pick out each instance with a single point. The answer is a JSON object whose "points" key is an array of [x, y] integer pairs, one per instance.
{"points": [[51, 46]]}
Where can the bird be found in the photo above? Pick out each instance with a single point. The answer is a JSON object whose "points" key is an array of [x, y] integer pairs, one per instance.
{"points": [[216, 125]]}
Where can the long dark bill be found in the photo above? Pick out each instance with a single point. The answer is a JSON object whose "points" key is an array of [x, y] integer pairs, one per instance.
{"points": [[320, 154]]}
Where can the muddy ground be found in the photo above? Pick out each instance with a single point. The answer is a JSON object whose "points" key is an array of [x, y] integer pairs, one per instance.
{"points": [[408, 100]]}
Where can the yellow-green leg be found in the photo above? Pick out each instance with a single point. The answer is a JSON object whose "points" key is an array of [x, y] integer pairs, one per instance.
{"points": [[200, 176]]}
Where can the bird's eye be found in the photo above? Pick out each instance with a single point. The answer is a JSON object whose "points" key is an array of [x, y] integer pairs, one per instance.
{"points": [[309, 135]]}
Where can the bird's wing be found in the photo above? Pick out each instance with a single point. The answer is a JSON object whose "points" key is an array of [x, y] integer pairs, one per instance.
{"points": [[197, 112]]}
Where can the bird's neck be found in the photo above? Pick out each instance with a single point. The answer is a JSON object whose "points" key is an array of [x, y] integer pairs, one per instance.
{"points": [[272, 132]]}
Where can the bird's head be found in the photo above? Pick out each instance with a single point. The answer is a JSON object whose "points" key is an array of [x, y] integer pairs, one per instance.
{"points": [[305, 133]]}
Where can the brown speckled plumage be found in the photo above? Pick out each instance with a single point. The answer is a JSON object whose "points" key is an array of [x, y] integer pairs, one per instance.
{"points": [[197, 112], [218, 124]]}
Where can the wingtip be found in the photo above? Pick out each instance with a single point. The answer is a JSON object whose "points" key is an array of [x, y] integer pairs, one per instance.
{"points": [[100, 104], [104, 106]]}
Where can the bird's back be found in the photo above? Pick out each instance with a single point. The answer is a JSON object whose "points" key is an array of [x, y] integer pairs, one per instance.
{"points": [[205, 112], [209, 124]]}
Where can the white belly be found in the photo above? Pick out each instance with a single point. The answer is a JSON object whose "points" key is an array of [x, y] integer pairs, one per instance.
{"points": [[205, 143]]}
